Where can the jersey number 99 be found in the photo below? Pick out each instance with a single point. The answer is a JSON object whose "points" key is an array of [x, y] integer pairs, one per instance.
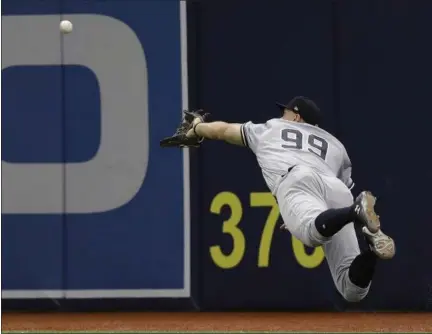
{"points": [[317, 145]]}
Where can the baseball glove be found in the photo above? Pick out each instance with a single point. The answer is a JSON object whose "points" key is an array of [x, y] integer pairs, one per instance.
{"points": [[179, 138]]}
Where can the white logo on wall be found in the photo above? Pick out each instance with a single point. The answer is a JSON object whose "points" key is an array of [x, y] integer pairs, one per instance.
{"points": [[110, 49]]}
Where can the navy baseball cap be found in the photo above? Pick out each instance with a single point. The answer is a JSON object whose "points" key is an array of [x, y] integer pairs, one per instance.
{"points": [[305, 107]]}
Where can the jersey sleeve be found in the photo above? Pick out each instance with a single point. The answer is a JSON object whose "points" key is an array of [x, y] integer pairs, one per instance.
{"points": [[251, 134]]}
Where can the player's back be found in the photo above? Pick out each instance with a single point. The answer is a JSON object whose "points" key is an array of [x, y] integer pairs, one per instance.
{"points": [[280, 144]]}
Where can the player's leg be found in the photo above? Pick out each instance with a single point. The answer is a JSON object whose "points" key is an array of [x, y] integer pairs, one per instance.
{"points": [[351, 269], [304, 198], [301, 200], [362, 212], [331, 221]]}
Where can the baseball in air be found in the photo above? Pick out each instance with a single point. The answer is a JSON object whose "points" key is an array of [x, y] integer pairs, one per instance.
{"points": [[66, 26]]}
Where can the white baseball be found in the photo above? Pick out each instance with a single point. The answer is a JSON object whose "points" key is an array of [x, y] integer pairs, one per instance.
{"points": [[66, 26]]}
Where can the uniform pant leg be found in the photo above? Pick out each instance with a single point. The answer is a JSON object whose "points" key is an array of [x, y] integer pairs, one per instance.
{"points": [[300, 199], [343, 247]]}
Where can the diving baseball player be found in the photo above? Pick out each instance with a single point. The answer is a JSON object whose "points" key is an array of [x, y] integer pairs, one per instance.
{"points": [[309, 172]]}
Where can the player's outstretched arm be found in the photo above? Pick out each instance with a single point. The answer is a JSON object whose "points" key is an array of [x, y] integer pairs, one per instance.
{"points": [[229, 132]]}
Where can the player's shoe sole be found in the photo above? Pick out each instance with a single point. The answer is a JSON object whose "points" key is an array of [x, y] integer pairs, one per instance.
{"points": [[364, 208], [382, 245]]}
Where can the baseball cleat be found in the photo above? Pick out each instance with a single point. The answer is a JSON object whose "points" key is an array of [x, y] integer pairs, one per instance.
{"points": [[365, 212], [382, 245]]}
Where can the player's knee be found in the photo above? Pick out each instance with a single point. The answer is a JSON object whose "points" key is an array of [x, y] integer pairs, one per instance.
{"points": [[353, 296], [351, 292], [307, 233], [302, 234], [314, 238]]}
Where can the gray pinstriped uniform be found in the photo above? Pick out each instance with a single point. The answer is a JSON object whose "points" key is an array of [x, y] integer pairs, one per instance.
{"points": [[319, 179]]}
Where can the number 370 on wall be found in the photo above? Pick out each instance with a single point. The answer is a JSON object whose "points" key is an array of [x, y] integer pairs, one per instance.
{"points": [[230, 227]]}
